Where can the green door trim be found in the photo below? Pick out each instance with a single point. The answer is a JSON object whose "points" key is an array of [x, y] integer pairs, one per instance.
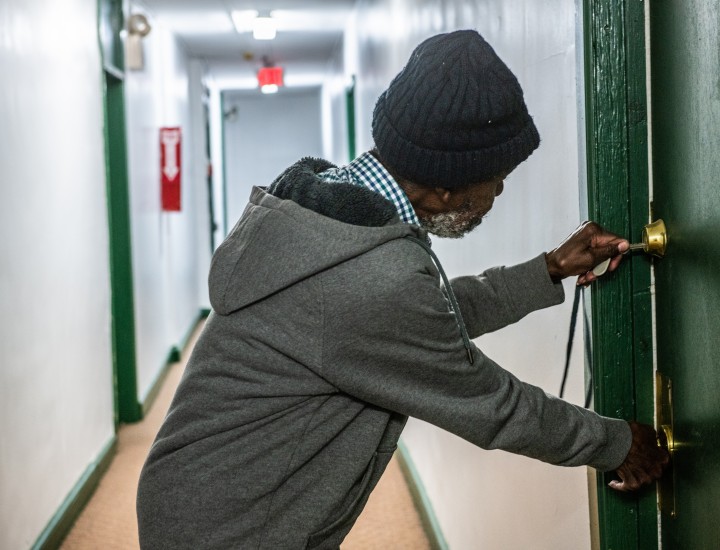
{"points": [[350, 117], [618, 198], [110, 23]]}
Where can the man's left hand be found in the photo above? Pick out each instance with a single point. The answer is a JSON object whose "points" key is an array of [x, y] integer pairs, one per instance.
{"points": [[645, 462], [588, 246]]}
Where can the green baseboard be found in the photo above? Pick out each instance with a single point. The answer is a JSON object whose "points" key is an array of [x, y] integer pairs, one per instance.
{"points": [[147, 403], [174, 355], [421, 500], [63, 520]]}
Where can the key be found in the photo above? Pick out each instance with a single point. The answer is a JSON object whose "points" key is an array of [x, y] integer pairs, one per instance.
{"points": [[602, 267]]}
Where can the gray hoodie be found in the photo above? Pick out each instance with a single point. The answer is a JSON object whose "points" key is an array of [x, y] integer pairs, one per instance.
{"points": [[330, 327]]}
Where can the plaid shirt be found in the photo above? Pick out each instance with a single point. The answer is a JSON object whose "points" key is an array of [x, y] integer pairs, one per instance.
{"points": [[367, 171]]}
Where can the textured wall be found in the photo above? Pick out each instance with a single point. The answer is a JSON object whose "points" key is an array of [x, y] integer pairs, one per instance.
{"points": [[494, 499], [168, 247], [264, 135], [56, 389], [56, 380]]}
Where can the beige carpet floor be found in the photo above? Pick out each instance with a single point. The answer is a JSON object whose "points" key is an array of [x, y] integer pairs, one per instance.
{"points": [[389, 522]]}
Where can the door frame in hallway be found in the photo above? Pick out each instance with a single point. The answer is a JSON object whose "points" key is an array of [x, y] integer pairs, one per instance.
{"points": [[618, 198], [110, 24], [350, 119]]}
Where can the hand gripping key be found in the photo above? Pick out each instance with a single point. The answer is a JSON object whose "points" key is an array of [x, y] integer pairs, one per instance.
{"points": [[654, 242]]}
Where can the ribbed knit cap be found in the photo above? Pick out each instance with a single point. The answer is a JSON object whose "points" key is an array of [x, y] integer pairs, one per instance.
{"points": [[455, 115]]}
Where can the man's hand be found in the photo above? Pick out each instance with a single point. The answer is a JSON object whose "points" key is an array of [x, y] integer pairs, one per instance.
{"points": [[645, 462], [588, 246]]}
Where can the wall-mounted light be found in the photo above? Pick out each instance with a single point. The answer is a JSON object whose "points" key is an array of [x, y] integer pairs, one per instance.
{"points": [[139, 24], [270, 79], [138, 27]]}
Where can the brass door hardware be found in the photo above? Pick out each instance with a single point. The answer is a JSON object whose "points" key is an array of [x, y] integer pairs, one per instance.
{"points": [[654, 242], [665, 423], [654, 239]]}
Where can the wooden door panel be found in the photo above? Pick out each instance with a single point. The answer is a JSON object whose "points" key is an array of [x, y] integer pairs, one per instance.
{"points": [[685, 68]]}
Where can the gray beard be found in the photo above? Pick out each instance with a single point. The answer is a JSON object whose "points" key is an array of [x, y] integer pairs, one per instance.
{"points": [[451, 225]]}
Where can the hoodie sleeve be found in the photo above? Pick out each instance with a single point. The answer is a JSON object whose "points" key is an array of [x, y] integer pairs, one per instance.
{"points": [[504, 295], [390, 340]]}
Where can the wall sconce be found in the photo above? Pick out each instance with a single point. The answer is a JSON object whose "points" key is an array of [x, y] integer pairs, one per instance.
{"points": [[138, 28]]}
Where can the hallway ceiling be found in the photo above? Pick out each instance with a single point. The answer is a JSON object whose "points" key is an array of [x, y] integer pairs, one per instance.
{"points": [[309, 31]]}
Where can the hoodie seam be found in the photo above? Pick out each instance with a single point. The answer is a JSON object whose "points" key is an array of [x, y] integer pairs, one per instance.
{"points": [[250, 237], [321, 366]]}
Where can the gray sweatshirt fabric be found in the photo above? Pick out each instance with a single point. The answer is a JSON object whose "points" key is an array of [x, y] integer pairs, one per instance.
{"points": [[329, 328]]}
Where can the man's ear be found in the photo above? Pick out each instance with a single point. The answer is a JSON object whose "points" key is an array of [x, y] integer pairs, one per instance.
{"points": [[443, 193]]}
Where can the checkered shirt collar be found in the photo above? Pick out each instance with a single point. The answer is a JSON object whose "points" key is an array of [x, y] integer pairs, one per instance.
{"points": [[367, 171]]}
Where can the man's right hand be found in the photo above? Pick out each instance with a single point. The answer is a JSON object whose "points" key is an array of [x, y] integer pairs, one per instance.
{"points": [[645, 463], [588, 246]]}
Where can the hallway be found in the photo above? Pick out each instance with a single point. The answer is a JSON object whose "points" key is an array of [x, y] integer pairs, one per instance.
{"points": [[390, 519], [104, 258]]}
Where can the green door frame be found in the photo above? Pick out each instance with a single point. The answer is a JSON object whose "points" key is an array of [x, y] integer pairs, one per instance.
{"points": [[350, 117], [618, 198], [110, 23]]}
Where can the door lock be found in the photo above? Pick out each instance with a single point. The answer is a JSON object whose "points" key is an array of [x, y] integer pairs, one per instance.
{"points": [[654, 239], [654, 242]]}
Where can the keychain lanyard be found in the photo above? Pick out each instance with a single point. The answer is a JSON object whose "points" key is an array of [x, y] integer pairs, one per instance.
{"points": [[588, 348]]}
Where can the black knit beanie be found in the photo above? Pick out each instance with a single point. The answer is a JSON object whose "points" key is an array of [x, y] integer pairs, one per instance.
{"points": [[454, 115]]}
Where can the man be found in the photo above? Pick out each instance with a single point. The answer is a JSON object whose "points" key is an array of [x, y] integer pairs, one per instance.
{"points": [[333, 322]]}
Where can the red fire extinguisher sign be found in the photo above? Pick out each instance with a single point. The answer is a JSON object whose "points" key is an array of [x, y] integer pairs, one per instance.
{"points": [[170, 168]]}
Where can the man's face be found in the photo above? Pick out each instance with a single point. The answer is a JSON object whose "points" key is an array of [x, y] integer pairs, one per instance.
{"points": [[465, 210]]}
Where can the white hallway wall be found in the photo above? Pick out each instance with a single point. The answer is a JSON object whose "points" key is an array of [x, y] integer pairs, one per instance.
{"points": [[56, 388], [170, 249], [483, 499], [264, 135], [56, 380]]}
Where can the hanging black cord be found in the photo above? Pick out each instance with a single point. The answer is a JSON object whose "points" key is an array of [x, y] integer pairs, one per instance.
{"points": [[571, 337], [450, 294], [588, 361], [588, 348]]}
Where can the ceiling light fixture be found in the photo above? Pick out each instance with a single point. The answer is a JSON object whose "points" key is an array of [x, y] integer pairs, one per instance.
{"points": [[264, 28]]}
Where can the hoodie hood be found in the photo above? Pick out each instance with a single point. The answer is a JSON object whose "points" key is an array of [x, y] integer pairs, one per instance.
{"points": [[298, 227]]}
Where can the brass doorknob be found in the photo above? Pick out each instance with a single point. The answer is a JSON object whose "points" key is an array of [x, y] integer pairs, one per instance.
{"points": [[654, 242], [654, 237], [665, 438]]}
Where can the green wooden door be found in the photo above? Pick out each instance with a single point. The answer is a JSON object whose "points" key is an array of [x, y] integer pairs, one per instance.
{"points": [[685, 69], [617, 192]]}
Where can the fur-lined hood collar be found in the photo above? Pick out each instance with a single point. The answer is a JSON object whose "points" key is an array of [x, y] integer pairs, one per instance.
{"points": [[299, 226]]}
